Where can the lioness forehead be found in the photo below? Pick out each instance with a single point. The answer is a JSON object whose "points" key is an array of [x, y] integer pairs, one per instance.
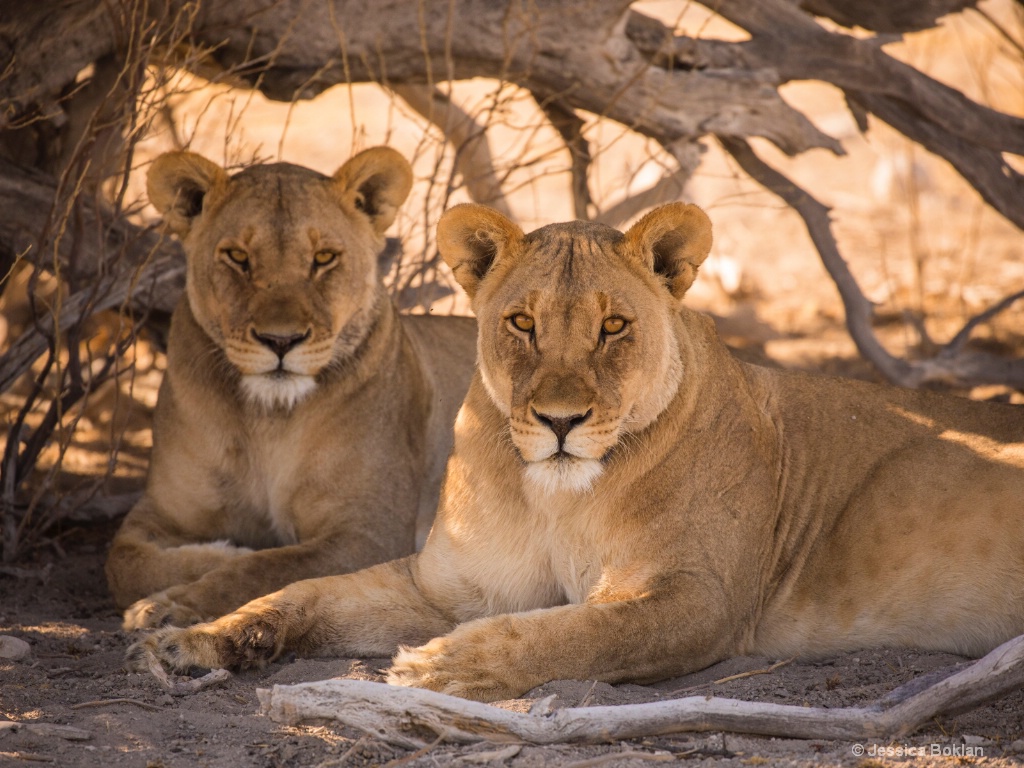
{"points": [[261, 174], [573, 258], [573, 233], [285, 195]]}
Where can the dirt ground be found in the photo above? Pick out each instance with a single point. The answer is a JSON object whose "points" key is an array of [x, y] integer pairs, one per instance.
{"points": [[69, 703]]}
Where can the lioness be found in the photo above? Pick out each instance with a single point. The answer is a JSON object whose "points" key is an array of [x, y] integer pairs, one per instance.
{"points": [[302, 424], [627, 501]]}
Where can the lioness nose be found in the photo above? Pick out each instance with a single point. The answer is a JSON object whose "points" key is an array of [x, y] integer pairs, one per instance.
{"points": [[561, 425], [278, 344]]}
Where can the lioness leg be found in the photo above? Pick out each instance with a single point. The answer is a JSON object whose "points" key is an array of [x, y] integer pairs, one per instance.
{"points": [[368, 613], [160, 577], [247, 576], [144, 560], [501, 657]]}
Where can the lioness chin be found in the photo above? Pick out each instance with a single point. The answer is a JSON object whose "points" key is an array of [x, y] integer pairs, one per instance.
{"points": [[302, 425], [627, 501]]}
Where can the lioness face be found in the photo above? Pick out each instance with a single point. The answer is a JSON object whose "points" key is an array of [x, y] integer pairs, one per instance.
{"points": [[577, 345], [282, 261]]}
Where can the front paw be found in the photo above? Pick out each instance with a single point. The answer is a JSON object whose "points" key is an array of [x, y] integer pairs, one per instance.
{"points": [[234, 641], [171, 649], [159, 610], [450, 665]]}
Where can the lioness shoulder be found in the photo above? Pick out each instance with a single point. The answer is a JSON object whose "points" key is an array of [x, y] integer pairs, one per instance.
{"points": [[302, 424], [627, 501]]}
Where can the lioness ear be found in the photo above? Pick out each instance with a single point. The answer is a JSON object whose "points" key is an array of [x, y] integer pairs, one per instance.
{"points": [[375, 182], [471, 237], [177, 183], [673, 242]]}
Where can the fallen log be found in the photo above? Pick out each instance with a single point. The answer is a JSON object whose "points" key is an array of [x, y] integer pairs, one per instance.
{"points": [[402, 716]]}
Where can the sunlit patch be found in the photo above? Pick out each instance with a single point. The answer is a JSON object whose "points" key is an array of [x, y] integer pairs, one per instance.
{"points": [[278, 390], [564, 474], [57, 629]]}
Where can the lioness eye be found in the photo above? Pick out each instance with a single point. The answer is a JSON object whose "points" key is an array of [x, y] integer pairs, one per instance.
{"points": [[522, 323], [238, 257], [323, 258], [613, 325]]}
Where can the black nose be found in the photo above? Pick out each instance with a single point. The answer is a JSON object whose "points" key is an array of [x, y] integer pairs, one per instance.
{"points": [[278, 344], [561, 425]]}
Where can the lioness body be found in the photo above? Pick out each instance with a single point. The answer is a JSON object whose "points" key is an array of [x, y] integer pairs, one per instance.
{"points": [[627, 501], [268, 468]]}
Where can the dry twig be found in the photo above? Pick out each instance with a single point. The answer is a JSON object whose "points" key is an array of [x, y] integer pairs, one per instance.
{"points": [[112, 702]]}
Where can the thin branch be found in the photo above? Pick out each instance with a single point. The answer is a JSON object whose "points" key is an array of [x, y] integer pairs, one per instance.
{"points": [[964, 334], [570, 127], [473, 159], [951, 365], [669, 187], [1000, 29], [859, 310]]}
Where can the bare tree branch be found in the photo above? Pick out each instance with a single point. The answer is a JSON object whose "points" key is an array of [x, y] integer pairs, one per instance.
{"points": [[570, 127], [952, 365], [801, 49], [473, 160], [668, 187]]}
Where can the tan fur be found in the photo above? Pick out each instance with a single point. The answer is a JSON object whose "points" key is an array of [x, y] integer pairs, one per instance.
{"points": [[270, 468], [734, 509]]}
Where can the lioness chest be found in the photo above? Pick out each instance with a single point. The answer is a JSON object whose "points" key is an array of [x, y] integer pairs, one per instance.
{"points": [[259, 479], [526, 552]]}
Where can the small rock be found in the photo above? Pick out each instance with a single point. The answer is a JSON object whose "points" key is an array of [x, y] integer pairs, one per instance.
{"points": [[13, 648], [974, 741], [1017, 746], [164, 701]]}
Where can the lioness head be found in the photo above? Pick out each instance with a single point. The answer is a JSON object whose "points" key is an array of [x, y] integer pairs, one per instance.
{"points": [[282, 261], [577, 344]]}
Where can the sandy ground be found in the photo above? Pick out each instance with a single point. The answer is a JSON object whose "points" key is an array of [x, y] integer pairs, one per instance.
{"points": [[70, 703]]}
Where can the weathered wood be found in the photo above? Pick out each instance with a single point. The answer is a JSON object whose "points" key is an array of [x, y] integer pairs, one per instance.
{"points": [[397, 715], [886, 15]]}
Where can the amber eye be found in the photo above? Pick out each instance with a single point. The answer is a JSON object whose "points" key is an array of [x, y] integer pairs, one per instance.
{"points": [[323, 258], [613, 325], [522, 322], [238, 257]]}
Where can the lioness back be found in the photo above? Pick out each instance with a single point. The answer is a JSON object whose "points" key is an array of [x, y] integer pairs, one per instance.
{"points": [[302, 424], [904, 515]]}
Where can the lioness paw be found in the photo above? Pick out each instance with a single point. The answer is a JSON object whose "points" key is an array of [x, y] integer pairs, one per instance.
{"points": [[157, 611], [171, 649], [236, 641], [446, 666]]}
